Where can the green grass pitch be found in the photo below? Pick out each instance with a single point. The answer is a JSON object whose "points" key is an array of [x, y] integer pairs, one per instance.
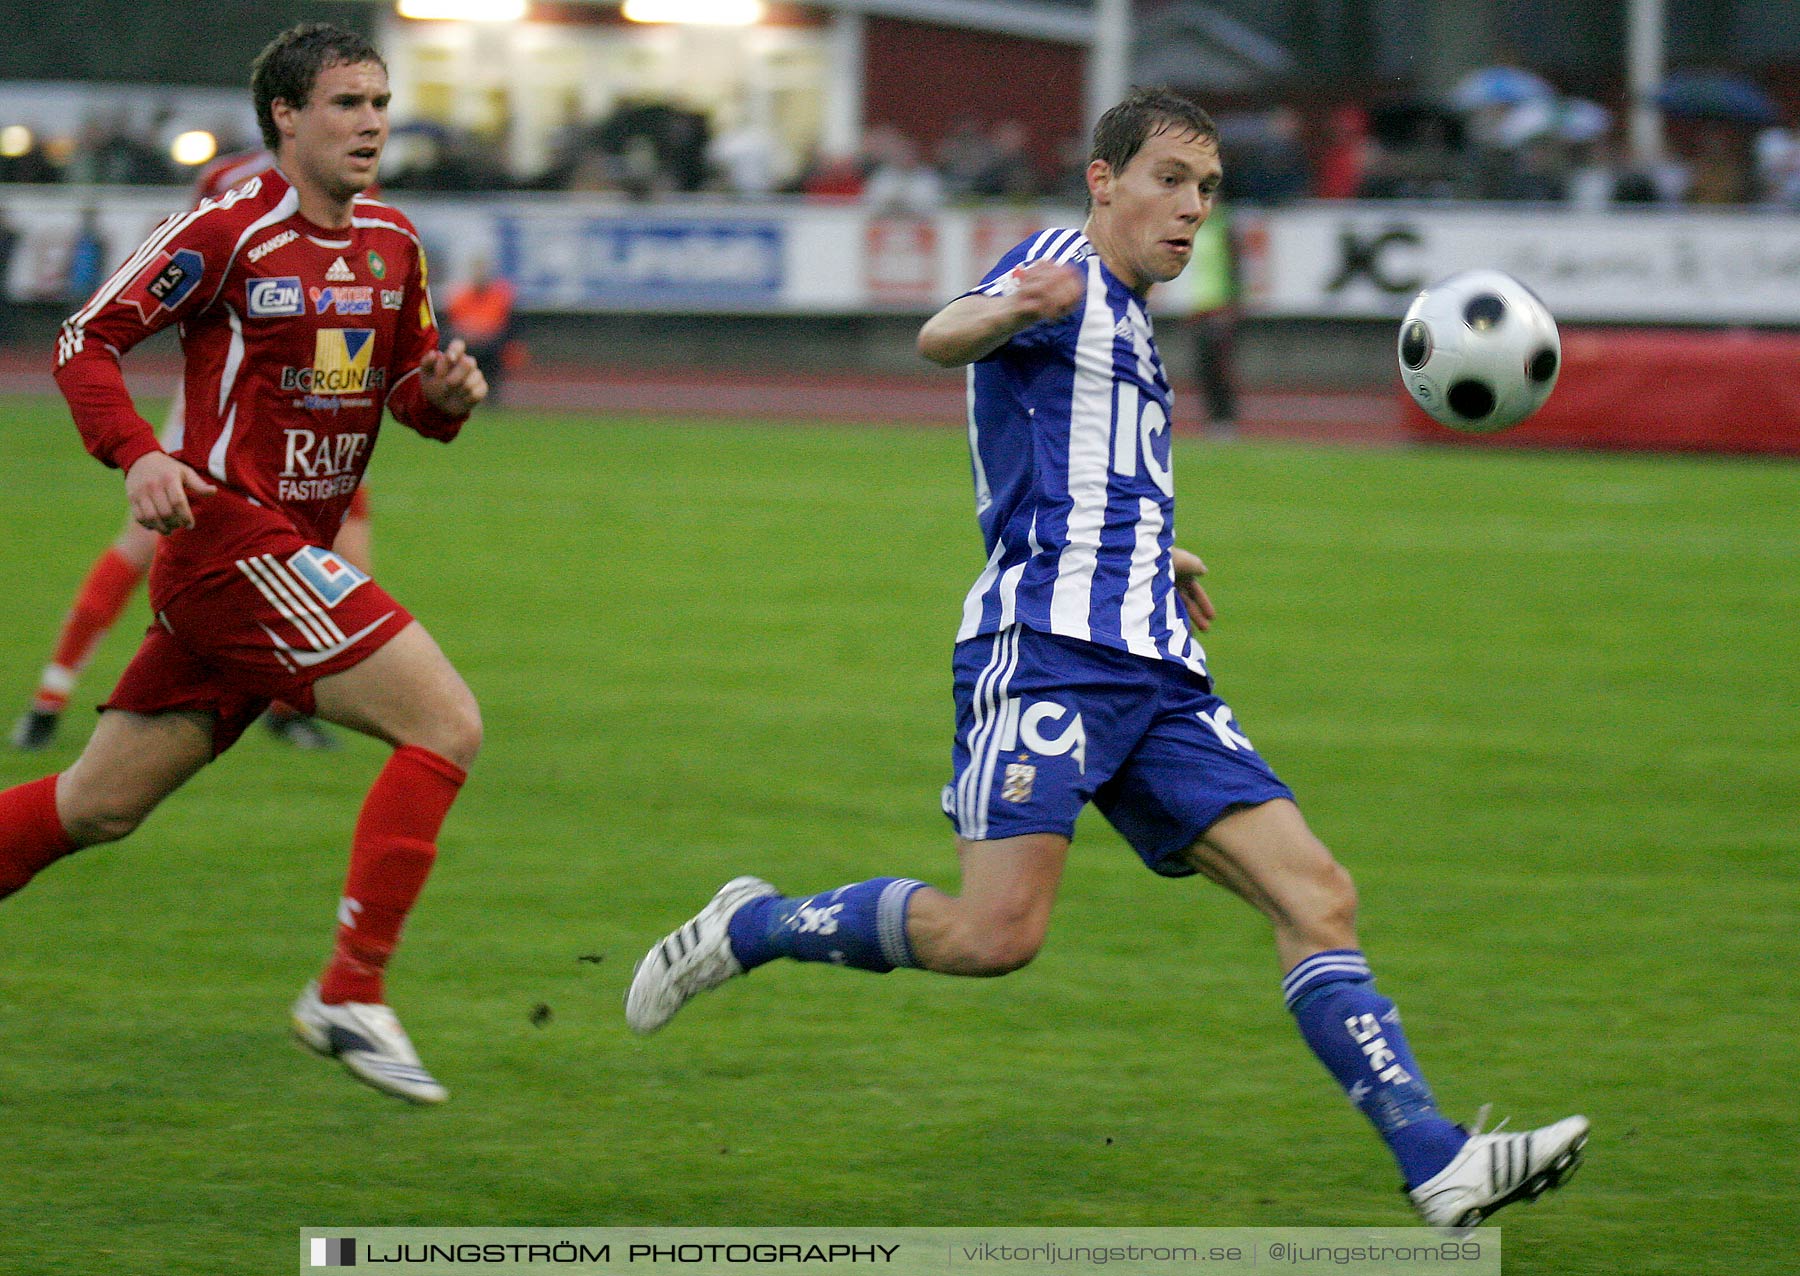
{"points": [[1544, 707]]}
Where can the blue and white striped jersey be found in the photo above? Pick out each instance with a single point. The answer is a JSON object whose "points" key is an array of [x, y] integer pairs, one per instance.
{"points": [[1069, 440]]}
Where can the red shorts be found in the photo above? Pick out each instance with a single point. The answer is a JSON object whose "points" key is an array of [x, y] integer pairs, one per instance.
{"points": [[255, 629]]}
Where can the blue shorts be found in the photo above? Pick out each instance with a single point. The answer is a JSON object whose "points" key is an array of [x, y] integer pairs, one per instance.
{"points": [[1046, 724]]}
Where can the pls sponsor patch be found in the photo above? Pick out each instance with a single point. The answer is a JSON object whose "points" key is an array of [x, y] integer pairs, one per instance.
{"points": [[165, 283]]}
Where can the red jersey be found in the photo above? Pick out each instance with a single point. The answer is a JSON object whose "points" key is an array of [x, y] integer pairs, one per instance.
{"points": [[295, 336], [228, 170]]}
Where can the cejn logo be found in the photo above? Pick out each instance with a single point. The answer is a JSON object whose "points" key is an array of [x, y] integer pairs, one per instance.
{"points": [[274, 298]]}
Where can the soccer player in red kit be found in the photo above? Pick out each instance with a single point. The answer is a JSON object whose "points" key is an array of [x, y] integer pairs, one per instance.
{"points": [[117, 572], [303, 313]]}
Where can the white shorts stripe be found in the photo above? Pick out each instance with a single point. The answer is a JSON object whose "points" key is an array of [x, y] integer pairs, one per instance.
{"points": [[1005, 727], [990, 701], [978, 702], [293, 601], [300, 609], [307, 600], [250, 567]]}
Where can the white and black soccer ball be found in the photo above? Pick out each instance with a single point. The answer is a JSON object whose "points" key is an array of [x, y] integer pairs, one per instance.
{"points": [[1478, 351]]}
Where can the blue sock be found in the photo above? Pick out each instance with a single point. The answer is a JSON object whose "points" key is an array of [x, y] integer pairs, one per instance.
{"points": [[1356, 1033], [861, 925]]}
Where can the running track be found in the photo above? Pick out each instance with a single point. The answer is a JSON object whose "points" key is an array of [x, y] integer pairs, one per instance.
{"points": [[1335, 416]]}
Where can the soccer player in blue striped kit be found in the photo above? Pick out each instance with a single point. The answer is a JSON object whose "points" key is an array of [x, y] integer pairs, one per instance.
{"points": [[1077, 680]]}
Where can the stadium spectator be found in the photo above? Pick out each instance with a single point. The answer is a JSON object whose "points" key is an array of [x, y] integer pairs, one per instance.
{"points": [[1213, 289], [110, 152], [1007, 171], [745, 160], [1070, 184], [1271, 166], [1594, 177], [656, 148], [282, 415], [834, 178], [87, 255], [114, 576], [1077, 680], [1426, 164], [9, 242], [1720, 164], [1541, 171], [451, 160], [480, 311], [1778, 168], [1344, 154], [900, 181], [964, 154]]}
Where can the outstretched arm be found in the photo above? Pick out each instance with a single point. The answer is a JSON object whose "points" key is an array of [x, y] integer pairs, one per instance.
{"points": [[975, 326]]}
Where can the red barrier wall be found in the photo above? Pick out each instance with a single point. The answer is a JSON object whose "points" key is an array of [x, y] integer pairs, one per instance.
{"points": [[917, 78], [1666, 390]]}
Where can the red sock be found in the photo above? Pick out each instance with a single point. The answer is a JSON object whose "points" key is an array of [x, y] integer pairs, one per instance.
{"points": [[31, 834], [97, 607], [392, 854]]}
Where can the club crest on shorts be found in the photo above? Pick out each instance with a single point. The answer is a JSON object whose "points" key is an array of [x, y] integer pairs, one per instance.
{"points": [[326, 574], [1018, 782]]}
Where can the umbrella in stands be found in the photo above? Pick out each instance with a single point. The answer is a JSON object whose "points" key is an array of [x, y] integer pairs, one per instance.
{"points": [[1715, 95], [1499, 86]]}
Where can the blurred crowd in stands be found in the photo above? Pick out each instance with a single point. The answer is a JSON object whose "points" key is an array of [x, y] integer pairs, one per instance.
{"points": [[107, 149], [1518, 145]]}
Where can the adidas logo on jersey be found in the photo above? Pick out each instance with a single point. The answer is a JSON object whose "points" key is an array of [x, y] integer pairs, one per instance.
{"points": [[340, 273]]}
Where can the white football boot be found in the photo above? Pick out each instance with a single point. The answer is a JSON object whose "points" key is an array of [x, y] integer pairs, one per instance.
{"points": [[369, 1041], [1495, 1169], [689, 960]]}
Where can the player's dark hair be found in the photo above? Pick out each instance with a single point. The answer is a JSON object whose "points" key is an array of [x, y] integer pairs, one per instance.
{"points": [[289, 66], [1123, 130]]}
